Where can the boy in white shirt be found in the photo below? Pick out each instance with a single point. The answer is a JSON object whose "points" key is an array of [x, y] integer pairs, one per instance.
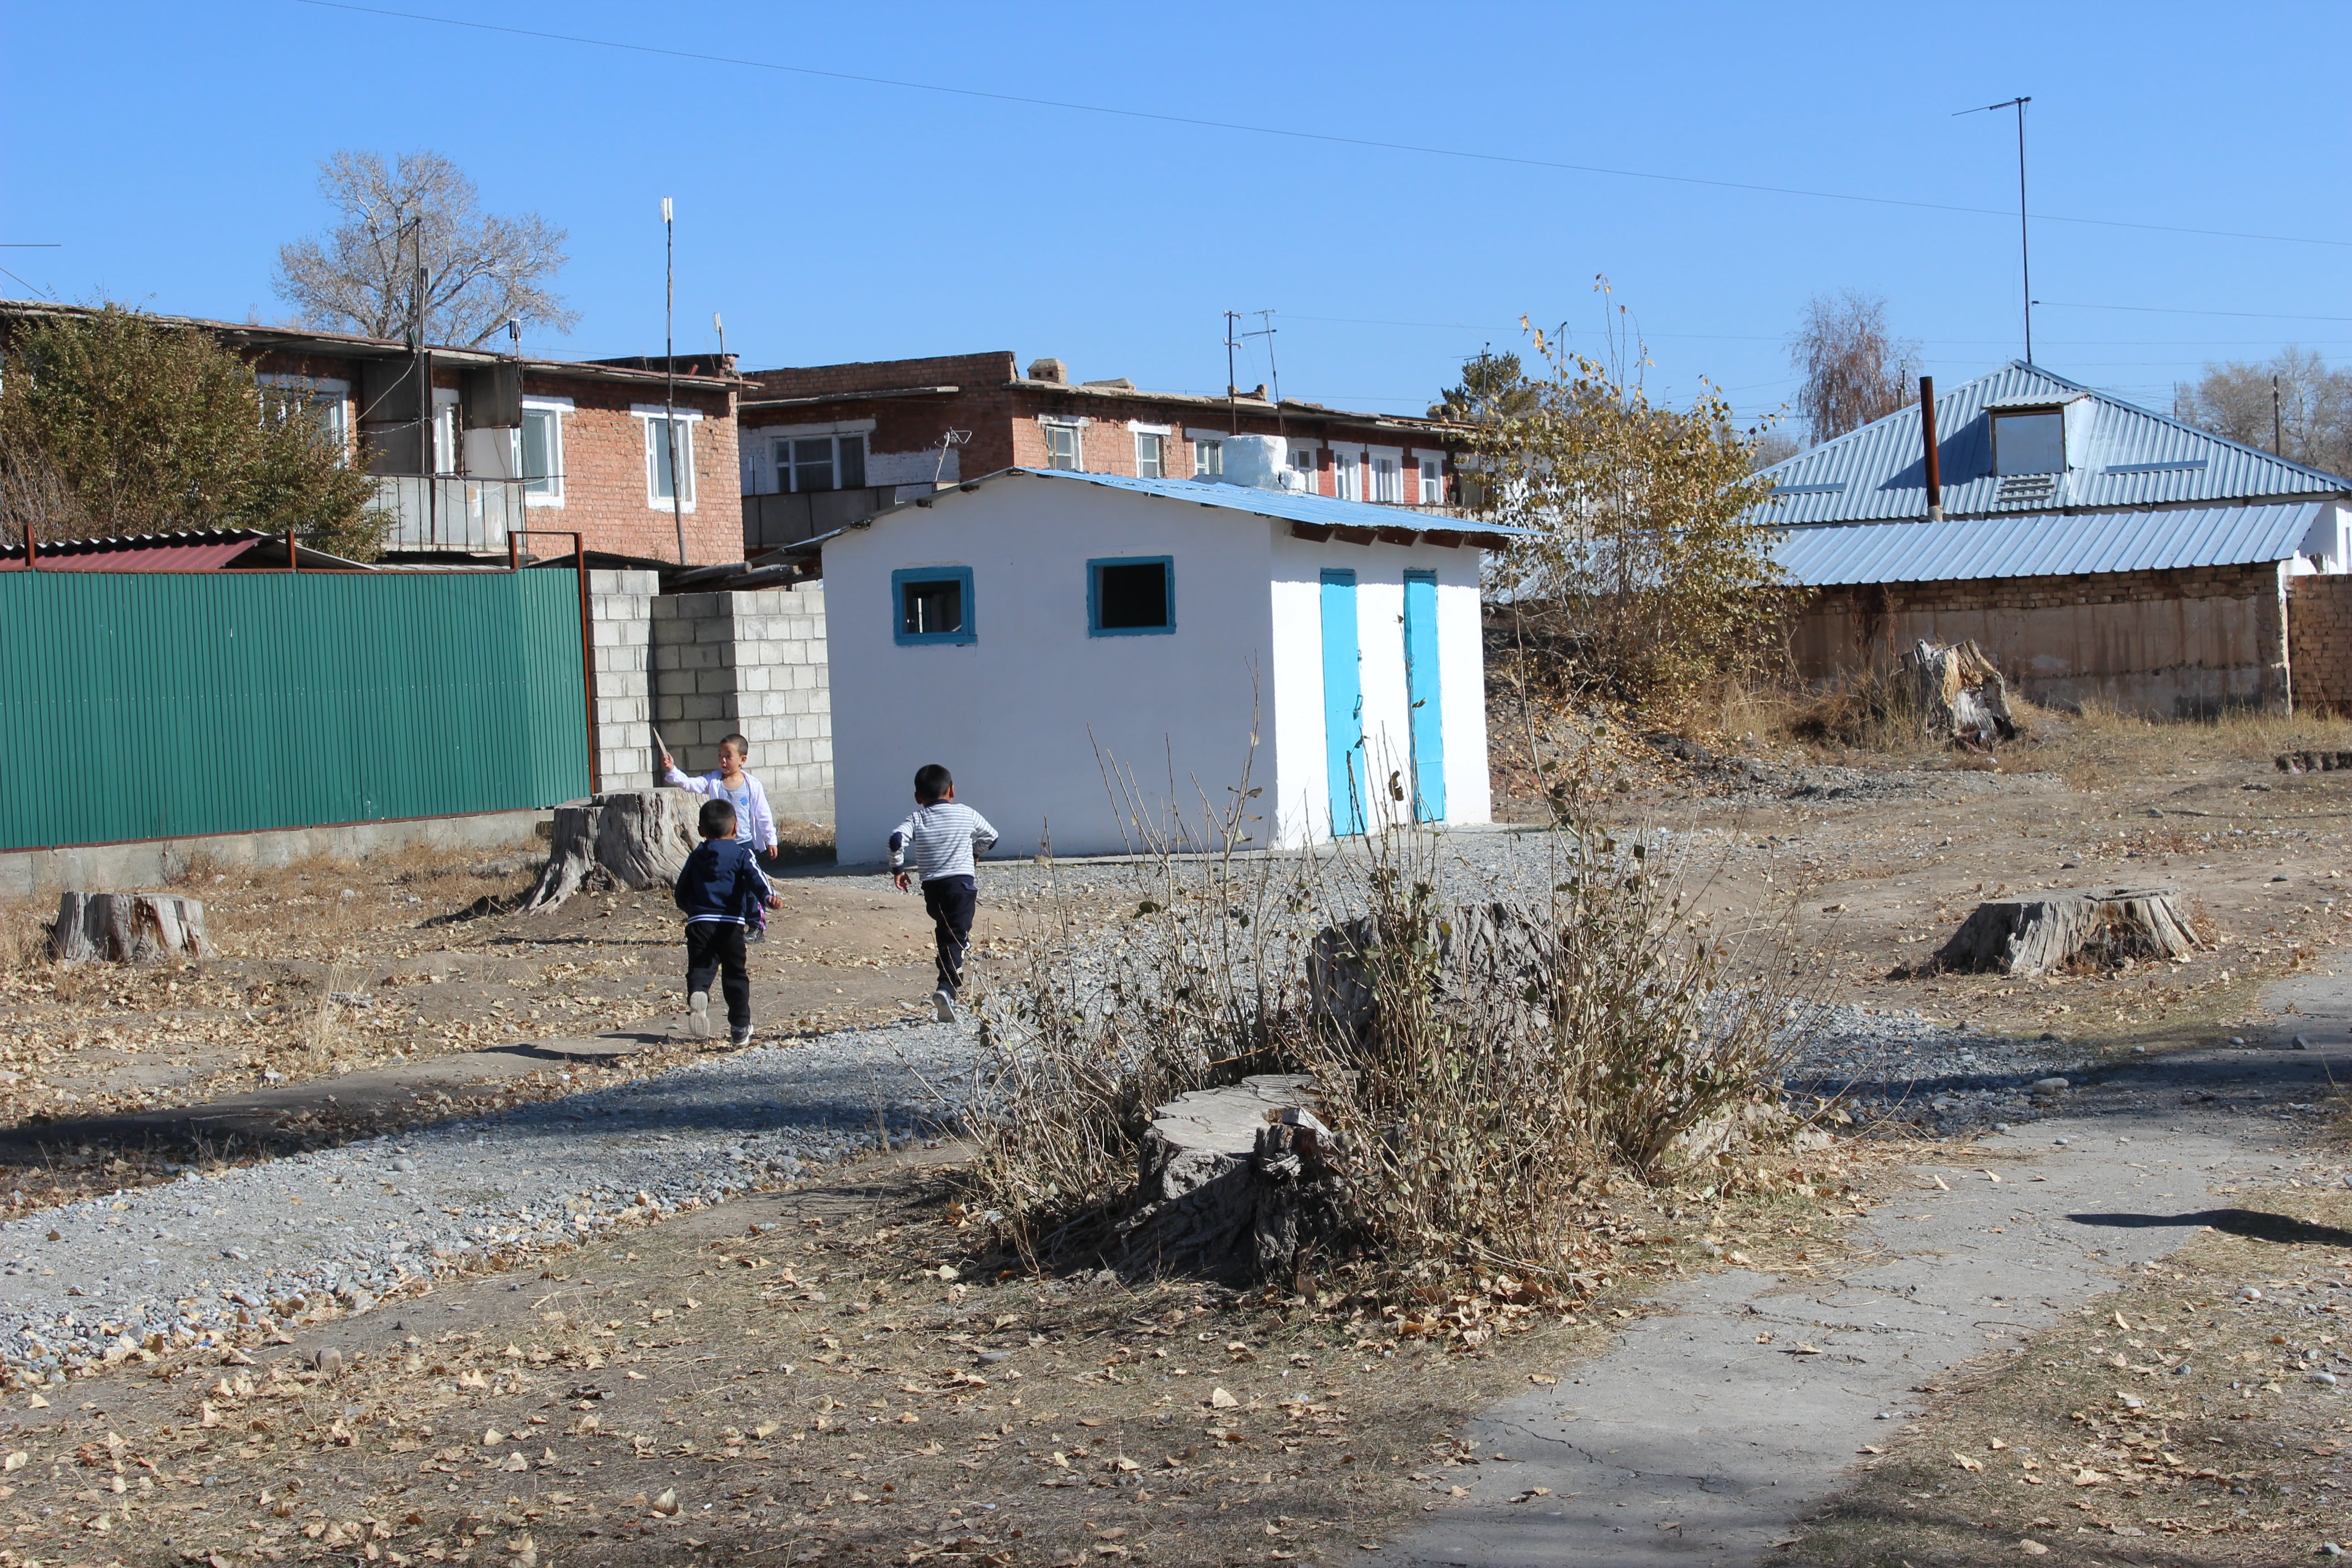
{"points": [[943, 837]]}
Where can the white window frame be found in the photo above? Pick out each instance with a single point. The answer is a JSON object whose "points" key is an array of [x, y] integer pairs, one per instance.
{"points": [[1158, 448], [1348, 473], [647, 416], [1430, 468], [1208, 456], [1390, 479], [447, 461], [1302, 462], [758, 449], [329, 397], [1047, 425], [785, 467], [555, 409]]}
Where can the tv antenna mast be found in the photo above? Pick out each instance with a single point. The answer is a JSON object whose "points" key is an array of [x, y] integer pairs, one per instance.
{"points": [[949, 441], [1273, 370], [2024, 253]]}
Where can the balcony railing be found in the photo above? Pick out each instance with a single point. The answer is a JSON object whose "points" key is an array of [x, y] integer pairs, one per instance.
{"points": [[450, 513]]}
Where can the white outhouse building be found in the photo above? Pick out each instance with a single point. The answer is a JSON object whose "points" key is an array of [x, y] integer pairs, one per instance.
{"points": [[1088, 653]]}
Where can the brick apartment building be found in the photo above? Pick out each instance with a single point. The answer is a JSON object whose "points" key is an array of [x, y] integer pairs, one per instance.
{"points": [[826, 445], [504, 443]]}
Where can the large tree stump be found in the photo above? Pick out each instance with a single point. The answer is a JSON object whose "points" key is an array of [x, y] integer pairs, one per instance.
{"points": [[1961, 695], [2034, 934], [1226, 1174], [1487, 951], [634, 838], [129, 928]]}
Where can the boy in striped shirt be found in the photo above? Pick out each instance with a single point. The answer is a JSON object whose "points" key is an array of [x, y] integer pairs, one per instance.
{"points": [[942, 836]]}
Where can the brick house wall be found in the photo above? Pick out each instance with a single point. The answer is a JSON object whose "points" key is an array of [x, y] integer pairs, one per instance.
{"points": [[2319, 623], [1007, 413], [2187, 643], [605, 478]]}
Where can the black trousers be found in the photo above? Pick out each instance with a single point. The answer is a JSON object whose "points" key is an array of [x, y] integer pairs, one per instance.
{"points": [[717, 947], [949, 901]]}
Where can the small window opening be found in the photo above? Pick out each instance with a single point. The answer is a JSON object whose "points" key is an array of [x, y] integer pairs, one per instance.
{"points": [[1132, 596], [2029, 443], [1062, 447]]}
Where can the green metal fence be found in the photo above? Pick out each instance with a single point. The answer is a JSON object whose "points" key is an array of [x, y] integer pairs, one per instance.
{"points": [[148, 705]]}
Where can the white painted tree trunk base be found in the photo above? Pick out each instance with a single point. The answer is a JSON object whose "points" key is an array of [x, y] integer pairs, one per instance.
{"points": [[129, 928]]}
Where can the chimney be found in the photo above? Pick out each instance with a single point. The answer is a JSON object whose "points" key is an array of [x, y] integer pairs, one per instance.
{"points": [[1051, 369], [1928, 441]]}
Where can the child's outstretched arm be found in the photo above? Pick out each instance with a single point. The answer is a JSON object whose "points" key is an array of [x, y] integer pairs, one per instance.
{"points": [[677, 780]]}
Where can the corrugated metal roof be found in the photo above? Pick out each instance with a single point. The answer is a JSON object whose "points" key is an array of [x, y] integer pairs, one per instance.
{"points": [[2048, 545], [2134, 459], [190, 550], [1321, 511]]}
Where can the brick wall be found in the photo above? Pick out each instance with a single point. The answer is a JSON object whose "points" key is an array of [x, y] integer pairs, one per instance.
{"points": [[604, 484], [620, 614], [2176, 644], [2319, 623], [751, 663]]}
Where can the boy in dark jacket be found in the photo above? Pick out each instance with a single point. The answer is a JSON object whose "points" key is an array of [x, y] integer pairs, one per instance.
{"points": [[720, 889]]}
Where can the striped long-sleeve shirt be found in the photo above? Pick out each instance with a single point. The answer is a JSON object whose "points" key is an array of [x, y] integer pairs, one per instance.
{"points": [[942, 838]]}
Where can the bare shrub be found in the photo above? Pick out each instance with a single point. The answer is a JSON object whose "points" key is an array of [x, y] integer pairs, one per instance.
{"points": [[1467, 1116], [1874, 710]]}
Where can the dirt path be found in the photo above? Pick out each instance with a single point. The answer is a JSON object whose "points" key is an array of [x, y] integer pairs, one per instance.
{"points": [[1710, 1430]]}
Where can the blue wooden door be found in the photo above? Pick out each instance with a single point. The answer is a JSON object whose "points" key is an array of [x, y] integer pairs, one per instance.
{"points": [[1343, 704], [1420, 690]]}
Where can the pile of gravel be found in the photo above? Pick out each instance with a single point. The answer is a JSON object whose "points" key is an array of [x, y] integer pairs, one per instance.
{"points": [[94, 1280], [1892, 1064]]}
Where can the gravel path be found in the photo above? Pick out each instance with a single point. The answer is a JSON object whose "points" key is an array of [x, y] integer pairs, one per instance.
{"points": [[195, 1254]]}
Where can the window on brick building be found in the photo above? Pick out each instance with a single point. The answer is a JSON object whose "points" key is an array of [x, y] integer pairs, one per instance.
{"points": [[1208, 457], [1302, 469], [661, 478], [805, 463], [1148, 461], [1387, 480], [1347, 475], [541, 440], [1062, 451], [1433, 481]]}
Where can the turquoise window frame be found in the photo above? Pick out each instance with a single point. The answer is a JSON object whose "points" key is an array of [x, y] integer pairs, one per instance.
{"points": [[1094, 629], [962, 575]]}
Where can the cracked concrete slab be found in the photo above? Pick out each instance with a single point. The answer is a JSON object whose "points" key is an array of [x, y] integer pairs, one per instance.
{"points": [[1697, 1440]]}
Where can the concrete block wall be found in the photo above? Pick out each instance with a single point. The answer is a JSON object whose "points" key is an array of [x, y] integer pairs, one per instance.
{"points": [[2319, 632], [621, 616], [752, 664]]}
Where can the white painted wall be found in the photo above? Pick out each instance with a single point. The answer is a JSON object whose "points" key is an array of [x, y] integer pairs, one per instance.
{"points": [[1028, 715]]}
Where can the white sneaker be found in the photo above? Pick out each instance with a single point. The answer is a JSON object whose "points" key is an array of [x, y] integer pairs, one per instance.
{"points": [[698, 1015], [944, 1006]]}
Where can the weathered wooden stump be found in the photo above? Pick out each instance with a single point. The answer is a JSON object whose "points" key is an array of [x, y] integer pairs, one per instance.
{"points": [[129, 928], [1226, 1174], [1961, 694], [2034, 934], [636, 838], [1488, 950]]}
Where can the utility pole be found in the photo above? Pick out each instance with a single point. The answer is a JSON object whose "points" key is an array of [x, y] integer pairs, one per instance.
{"points": [[2278, 442], [669, 378], [2025, 252], [1233, 393]]}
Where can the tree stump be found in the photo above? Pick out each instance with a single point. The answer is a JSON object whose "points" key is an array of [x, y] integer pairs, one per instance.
{"points": [[634, 838], [1227, 1174], [1479, 950], [2034, 934], [1961, 695], [129, 928]]}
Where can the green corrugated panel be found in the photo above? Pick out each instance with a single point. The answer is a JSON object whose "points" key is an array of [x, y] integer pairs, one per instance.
{"points": [[149, 705]]}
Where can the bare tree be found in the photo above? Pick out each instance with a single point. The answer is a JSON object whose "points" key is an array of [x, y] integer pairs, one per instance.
{"points": [[1853, 371], [2313, 419], [480, 269]]}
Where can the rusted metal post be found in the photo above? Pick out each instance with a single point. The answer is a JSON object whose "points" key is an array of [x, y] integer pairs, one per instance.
{"points": [[1928, 436], [291, 563], [32, 548], [514, 552], [588, 661]]}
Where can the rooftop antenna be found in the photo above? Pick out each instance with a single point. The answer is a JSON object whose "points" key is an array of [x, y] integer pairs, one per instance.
{"points": [[1273, 370], [514, 336], [669, 381], [949, 441], [720, 328], [2024, 255], [1233, 393]]}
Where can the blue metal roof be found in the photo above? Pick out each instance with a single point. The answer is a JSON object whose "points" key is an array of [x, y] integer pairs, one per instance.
{"points": [[2134, 459], [2049, 546], [1324, 511]]}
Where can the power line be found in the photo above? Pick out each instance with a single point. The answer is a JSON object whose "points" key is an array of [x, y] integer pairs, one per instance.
{"points": [[2183, 310], [1326, 137]]}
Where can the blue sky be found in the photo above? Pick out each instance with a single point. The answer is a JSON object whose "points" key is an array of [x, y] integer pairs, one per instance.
{"points": [[170, 149]]}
